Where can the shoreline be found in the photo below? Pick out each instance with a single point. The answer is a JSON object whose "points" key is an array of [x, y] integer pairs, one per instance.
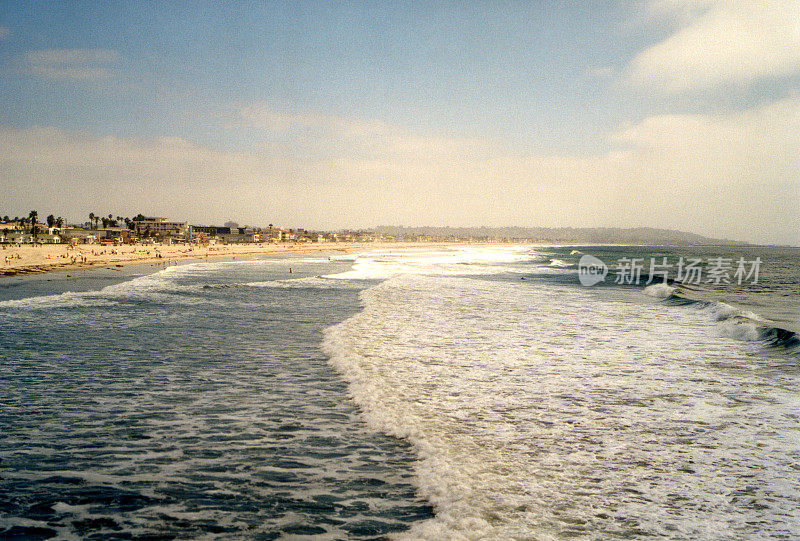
{"points": [[26, 260], [41, 259]]}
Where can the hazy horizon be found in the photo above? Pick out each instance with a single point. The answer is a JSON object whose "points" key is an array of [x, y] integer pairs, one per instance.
{"points": [[674, 114]]}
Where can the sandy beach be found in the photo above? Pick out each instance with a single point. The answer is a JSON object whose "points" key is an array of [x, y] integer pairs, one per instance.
{"points": [[33, 259]]}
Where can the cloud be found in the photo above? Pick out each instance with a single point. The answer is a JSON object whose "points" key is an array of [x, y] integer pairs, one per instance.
{"points": [[720, 42], [5, 33], [735, 176], [329, 137], [72, 64]]}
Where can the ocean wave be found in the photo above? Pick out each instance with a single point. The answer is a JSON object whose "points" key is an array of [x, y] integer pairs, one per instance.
{"points": [[734, 322], [160, 285], [67, 299], [311, 282], [515, 395], [659, 291], [382, 265]]}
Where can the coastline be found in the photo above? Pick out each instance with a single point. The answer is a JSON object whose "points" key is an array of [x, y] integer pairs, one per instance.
{"points": [[39, 259]]}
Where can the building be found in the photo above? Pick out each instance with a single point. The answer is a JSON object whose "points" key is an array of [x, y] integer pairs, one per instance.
{"points": [[11, 233], [161, 228], [211, 230], [78, 234], [241, 235], [118, 235], [272, 234]]}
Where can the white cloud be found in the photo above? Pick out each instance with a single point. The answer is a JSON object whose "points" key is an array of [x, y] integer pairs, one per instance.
{"points": [[74, 64], [721, 42], [735, 176]]}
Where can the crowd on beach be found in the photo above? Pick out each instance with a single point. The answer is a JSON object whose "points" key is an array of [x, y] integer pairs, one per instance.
{"points": [[37, 258]]}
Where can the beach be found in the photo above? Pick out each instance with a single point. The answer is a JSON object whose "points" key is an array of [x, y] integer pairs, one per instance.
{"points": [[16, 260]]}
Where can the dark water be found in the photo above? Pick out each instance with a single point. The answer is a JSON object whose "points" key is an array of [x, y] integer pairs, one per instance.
{"points": [[773, 295], [174, 406]]}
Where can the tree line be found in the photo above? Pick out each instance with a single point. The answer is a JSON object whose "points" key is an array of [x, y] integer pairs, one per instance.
{"points": [[32, 221]]}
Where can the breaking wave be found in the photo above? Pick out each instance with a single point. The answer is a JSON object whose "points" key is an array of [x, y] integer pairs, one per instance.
{"points": [[734, 322], [541, 411]]}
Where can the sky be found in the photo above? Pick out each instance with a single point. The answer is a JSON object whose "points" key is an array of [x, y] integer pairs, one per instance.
{"points": [[681, 114]]}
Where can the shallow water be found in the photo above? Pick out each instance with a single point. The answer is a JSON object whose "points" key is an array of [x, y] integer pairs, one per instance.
{"points": [[170, 406]]}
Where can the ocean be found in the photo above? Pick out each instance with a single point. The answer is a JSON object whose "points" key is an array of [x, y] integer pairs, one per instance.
{"points": [[470, 392]]}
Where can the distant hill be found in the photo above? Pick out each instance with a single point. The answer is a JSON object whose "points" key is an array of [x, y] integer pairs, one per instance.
{"points": [[571, 235]]}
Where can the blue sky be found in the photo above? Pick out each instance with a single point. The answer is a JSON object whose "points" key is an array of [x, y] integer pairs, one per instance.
{"points": [[506, 68], [358, 114]]}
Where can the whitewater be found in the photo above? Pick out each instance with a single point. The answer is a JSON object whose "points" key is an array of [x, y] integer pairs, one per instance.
{"points": [[545, 411]]}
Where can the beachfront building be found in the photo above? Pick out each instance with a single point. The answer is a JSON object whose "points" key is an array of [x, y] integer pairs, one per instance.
{"points": [[241, 235], [272, 234], [48, 236], [78, 235], [207, 234], [11, 233], [15, 236], [154, 227], [211, 230], [116, 235]]}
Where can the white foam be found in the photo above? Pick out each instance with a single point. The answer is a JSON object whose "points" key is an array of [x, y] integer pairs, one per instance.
{"points": [[740, 329], [67, 299], [381, 265], [721, 311], [530, 407], [149, 285], [312, 282], [659, 291]]}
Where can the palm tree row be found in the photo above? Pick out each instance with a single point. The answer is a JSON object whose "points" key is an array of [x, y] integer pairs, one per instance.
{"points": [[94, 221], [112, 221]]}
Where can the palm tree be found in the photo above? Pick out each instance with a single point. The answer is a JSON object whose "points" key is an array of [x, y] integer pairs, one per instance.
{"points": [[60, 222], [51, 220], [33, 215], [91, 219]]}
